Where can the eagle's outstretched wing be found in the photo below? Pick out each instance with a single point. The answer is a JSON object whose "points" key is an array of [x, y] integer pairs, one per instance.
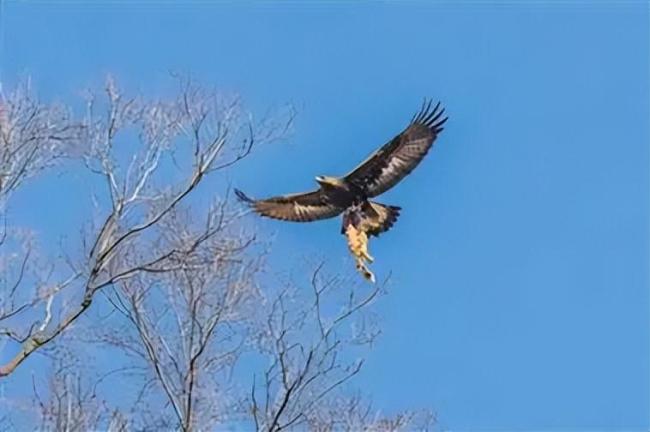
{"points": [[300, 207], [396, 159]]}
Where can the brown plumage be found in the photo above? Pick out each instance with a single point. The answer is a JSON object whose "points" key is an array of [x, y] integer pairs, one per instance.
{"points": [[350, 194], [396, 159], [299, 207]]}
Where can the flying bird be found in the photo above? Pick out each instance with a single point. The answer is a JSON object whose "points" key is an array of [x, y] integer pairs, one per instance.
{"points": [[351, 194]]}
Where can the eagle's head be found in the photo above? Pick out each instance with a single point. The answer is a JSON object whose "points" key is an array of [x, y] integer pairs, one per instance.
{"points": [[329, 181]]}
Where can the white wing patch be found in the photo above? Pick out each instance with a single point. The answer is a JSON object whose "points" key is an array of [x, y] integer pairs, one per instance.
{"points": [[400, 164], [390, 171], [394, 164]]}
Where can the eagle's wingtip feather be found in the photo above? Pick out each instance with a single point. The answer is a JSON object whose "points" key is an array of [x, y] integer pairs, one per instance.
{"points": [[242, 196], [429, 117]]}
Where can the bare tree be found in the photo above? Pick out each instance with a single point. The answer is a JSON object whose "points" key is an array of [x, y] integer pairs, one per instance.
{"points": [[200, 332], [72, 403], [208, 130], [308, 335], [189, 332], [33, 136], [186, 328]]}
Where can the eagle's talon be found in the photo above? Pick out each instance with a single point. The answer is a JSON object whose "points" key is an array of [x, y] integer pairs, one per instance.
{"points": [[365, 272]]}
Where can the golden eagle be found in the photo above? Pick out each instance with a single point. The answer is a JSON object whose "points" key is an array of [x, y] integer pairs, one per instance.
{"points": [[350, 194]]}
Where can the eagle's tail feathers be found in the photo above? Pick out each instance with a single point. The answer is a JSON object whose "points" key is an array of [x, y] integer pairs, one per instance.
{"points": [[386, 216]]}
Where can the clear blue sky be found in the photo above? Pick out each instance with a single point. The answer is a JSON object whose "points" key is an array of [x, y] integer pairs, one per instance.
{"points": [[520, 262]]}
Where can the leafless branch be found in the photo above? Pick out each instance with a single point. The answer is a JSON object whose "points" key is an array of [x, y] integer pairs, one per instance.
{"points": [[173, 289], [142, 198], [33, 136]]}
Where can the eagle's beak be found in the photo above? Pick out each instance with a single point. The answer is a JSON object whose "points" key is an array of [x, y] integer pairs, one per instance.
{"points": [[320, 179]]}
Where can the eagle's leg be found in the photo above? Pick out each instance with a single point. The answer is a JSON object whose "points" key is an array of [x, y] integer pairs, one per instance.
{"points": [[353, 227], [364, 249], [358, 243], [364, 270]]}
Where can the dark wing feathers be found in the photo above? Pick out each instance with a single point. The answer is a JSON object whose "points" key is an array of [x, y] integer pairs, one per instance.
{"points": [[380, 218], [300, 207], [396, 159], [381, 171]]}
